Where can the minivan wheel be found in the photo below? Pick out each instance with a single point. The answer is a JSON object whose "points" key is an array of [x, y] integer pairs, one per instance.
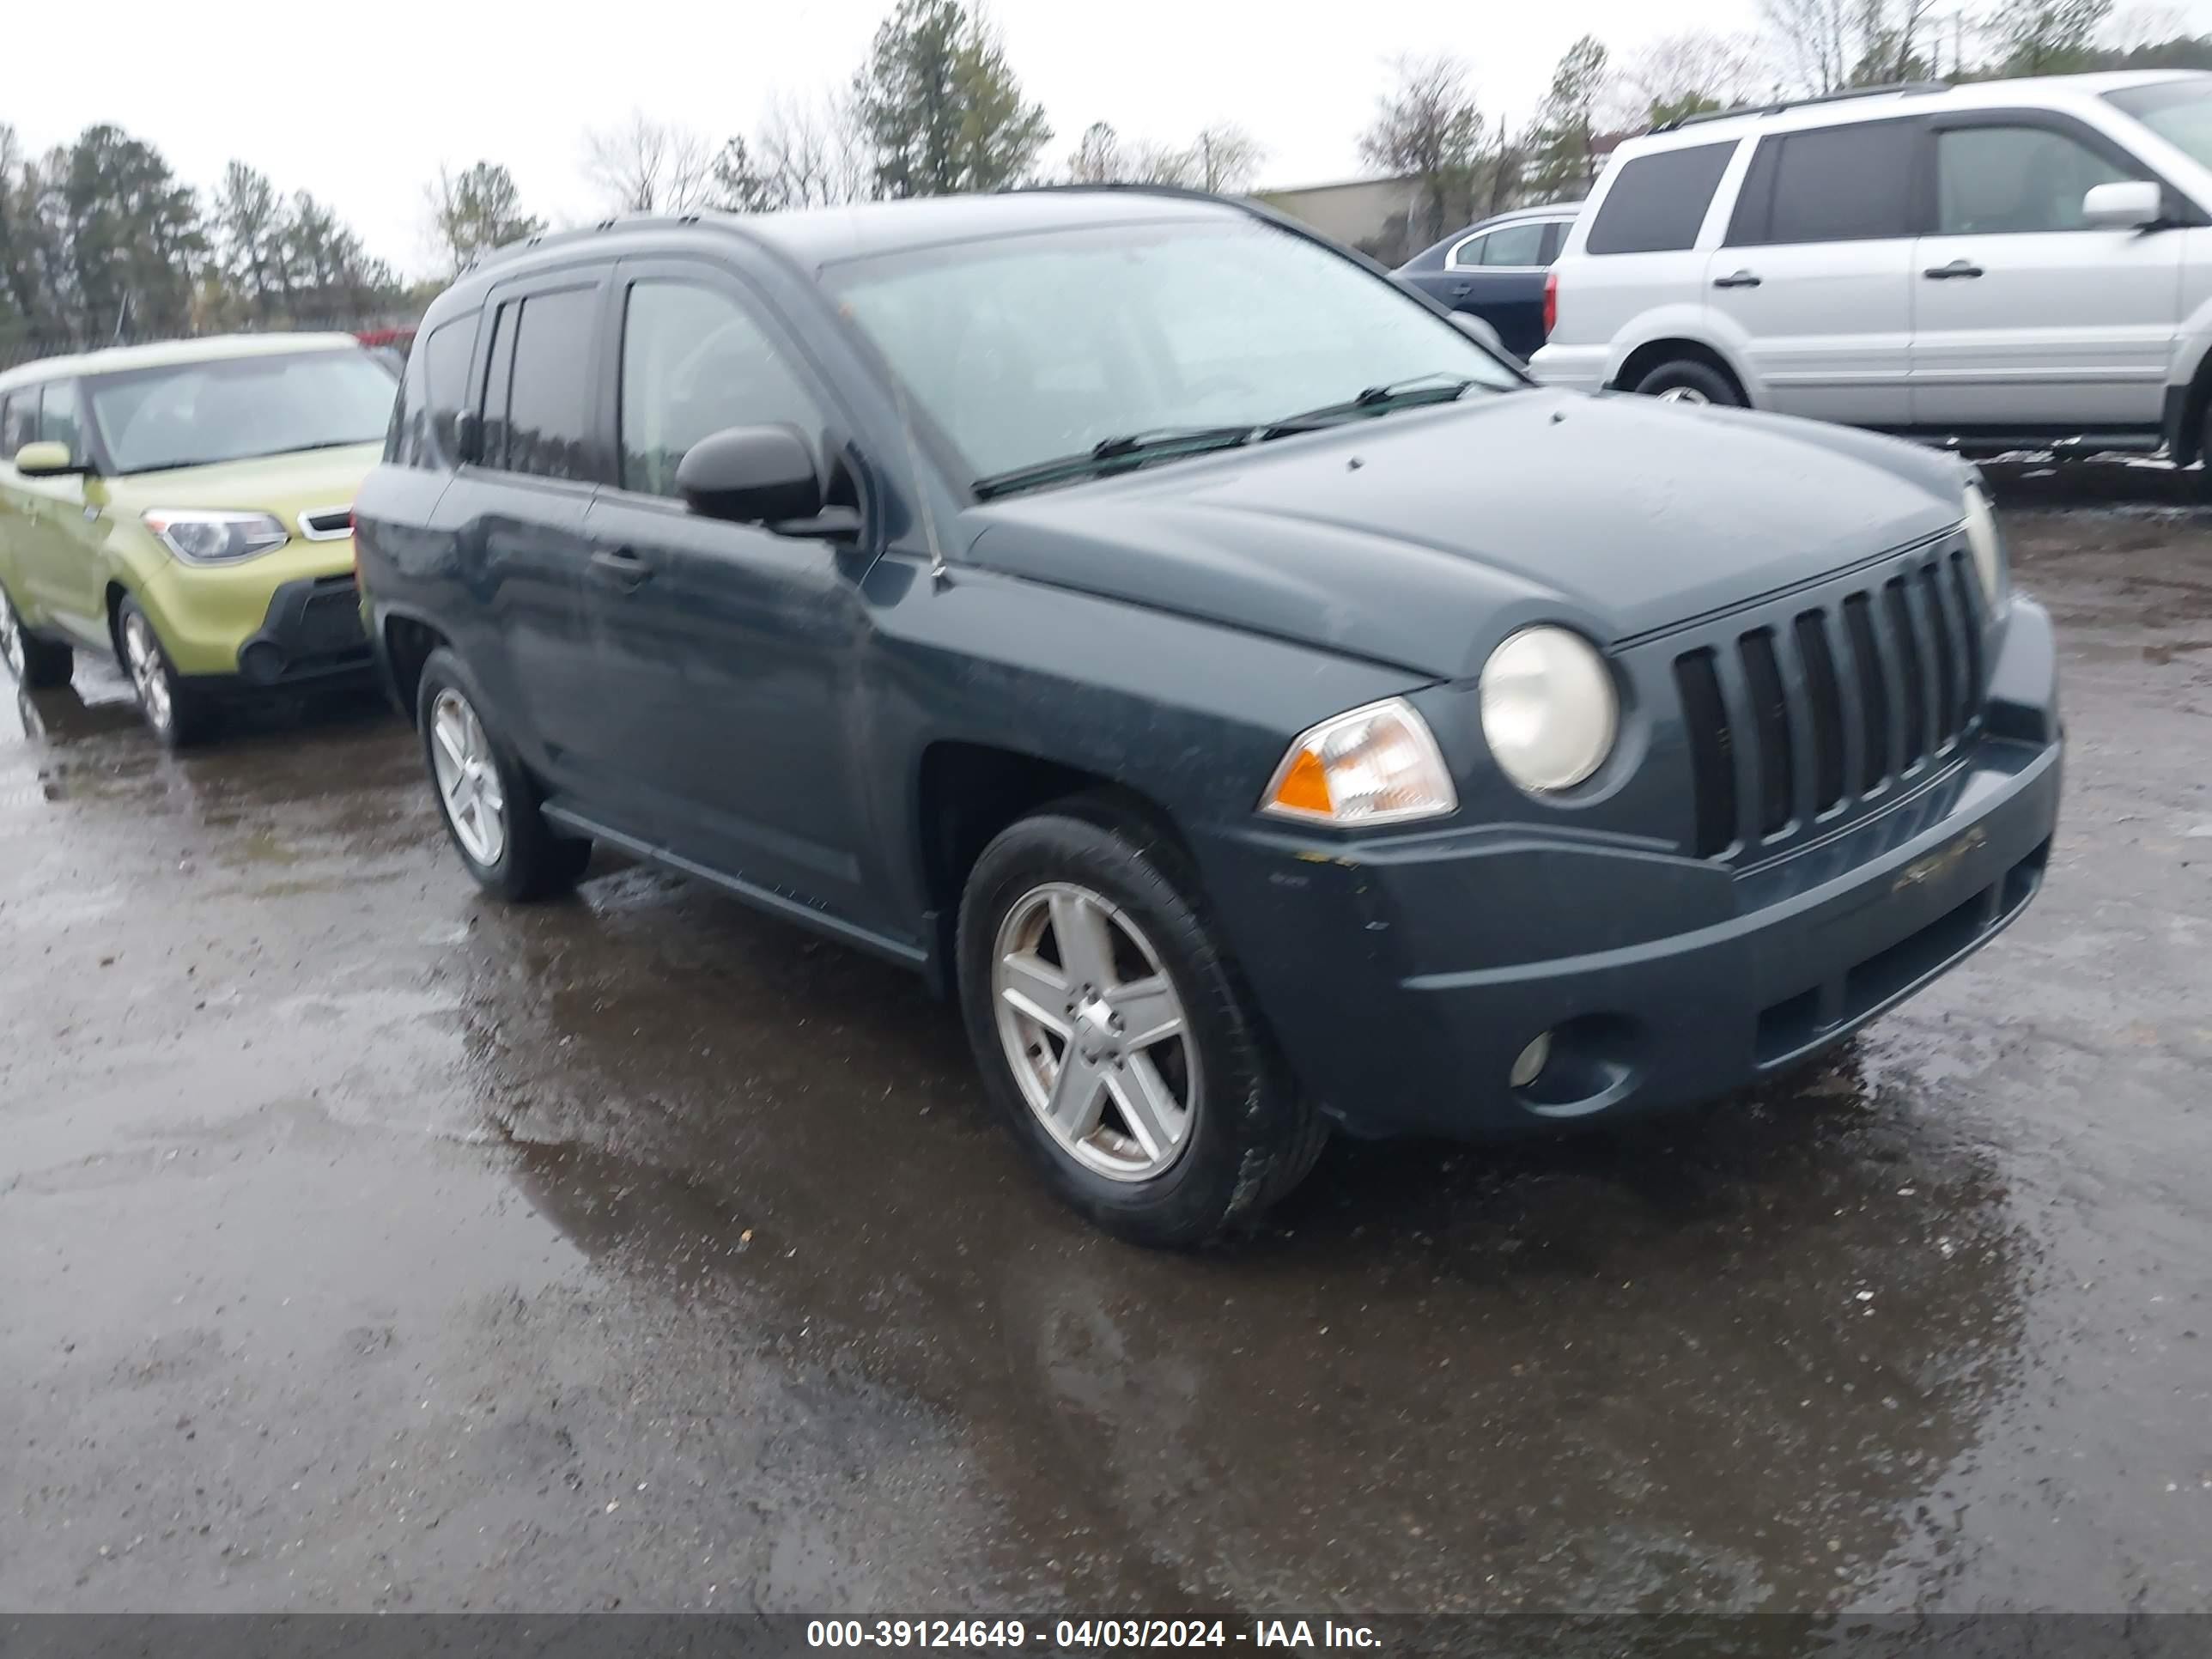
{"points": [[1116, 1037], [36, 663], [179, 715], [1687, 380], [489, 801]]}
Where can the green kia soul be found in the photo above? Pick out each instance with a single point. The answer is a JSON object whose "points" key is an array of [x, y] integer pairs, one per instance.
{"points": [[188, 508]]}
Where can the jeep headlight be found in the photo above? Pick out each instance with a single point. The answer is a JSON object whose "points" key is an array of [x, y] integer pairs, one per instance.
{"points": [[1988, 549], [201, 536], [1376, 764], [1549, 711]]}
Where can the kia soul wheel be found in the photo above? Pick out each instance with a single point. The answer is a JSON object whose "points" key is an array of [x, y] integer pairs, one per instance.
{"points": [[1115, 1036], [34, 664], [179, 716]]}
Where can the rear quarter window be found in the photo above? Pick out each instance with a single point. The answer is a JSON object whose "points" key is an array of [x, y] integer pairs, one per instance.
{"points": [[432, 395], [1656, 202]]}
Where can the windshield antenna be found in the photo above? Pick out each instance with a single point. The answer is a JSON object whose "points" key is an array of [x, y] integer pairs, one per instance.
{"points": [[939, 575]]}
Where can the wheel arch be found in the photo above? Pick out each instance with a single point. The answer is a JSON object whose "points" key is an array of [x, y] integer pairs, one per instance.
{"points": [[1684, 330], [966, 792], [405, 643]]}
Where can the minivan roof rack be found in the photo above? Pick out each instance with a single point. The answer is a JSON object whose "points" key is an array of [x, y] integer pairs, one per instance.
{"points": [[1776, 109]]}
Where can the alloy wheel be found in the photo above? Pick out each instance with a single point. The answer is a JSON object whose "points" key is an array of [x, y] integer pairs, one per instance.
{"points": [[1095, 1031], [11, 639], [468, 778], [149, 675], [1683, 394]]}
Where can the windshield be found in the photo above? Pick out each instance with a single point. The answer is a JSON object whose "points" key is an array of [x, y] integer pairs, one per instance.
{"points": [[1034, 347], [2179, 111], [235, 408]]}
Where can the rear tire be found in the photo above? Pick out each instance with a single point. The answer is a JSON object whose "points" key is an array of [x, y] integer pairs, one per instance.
{"points": [[1687, 380], [489, 802], [38, 665], [1081, 930], [179, 716]]}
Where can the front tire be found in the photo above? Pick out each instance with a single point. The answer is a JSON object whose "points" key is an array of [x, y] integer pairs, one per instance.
{"points": [[1116, 1037], [488, 802], [37, 663], [1687, 380], [179, 715]]}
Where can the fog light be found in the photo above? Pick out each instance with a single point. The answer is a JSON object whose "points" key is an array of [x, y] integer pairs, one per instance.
{"points": [[262, 662], [1530, 1061]]}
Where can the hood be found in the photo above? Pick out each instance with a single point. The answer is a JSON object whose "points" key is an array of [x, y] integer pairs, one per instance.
{"points": [[1401, 538], [286, 485]]}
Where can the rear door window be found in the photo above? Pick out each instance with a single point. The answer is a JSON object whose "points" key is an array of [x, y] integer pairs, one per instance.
{"points": [[549, 406], [1656, 202], [1514, 245], [499, 384], [1850, 184]]}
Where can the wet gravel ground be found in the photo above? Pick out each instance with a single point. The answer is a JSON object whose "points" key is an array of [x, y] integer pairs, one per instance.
{"points": [[366, 1245]]}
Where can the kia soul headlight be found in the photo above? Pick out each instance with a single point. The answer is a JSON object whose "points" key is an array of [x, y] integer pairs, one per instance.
{"points": [[1549, 711], [201, 537]]}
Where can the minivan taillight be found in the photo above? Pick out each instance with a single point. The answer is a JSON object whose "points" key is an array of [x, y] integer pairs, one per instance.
{"points": [[1551, 300]]}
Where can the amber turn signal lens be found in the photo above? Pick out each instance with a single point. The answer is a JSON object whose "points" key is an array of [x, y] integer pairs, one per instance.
{"points": [[1374, 765]]}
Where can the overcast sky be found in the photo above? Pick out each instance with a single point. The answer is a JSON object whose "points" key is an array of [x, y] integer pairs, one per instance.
{"points": [[360, 103]]}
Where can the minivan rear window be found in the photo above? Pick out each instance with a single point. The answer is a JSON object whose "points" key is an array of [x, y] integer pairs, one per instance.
{"points": [[1657, 202]]}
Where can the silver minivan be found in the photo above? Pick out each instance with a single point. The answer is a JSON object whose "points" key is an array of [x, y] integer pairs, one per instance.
{"points": [[2000, 264]]}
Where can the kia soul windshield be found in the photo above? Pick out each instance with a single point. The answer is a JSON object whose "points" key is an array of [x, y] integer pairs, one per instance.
{"points": [[1028, 348], [236, 409]]}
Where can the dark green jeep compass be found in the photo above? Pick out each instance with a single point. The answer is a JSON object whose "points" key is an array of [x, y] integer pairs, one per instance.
{"points": [[1254, 701]]}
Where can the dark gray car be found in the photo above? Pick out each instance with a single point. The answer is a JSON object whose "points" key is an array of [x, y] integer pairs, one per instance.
{"points": [[1259, 707]]}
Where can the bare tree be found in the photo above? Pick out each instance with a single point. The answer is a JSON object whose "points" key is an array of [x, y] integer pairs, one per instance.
{"points": [[1689, 73], [1096, 159], [1825, 45], [813, 154], [1227, 158], [644, 166], [1427, 127], [2046, 37], [1812, 39]]}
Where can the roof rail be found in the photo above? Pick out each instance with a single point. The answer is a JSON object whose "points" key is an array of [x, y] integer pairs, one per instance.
{"points": [[507, 250], [1915, 87]]}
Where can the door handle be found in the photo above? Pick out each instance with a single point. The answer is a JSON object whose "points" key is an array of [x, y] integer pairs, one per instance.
{"points": [[1956, 268], [622, 566], [1461, 289], [1737, 279]]}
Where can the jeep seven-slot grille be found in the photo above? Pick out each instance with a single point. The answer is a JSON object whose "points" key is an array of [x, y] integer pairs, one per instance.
{"points": [[1810, 710]]}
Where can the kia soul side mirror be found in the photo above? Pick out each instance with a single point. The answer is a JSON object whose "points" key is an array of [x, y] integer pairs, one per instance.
{"points": [[48, 459]]}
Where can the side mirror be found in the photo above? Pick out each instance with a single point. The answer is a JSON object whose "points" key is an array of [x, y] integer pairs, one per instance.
{"points": [[750, 475], [1482, 334], [468, 437], [2128, 206], [49, 461]]}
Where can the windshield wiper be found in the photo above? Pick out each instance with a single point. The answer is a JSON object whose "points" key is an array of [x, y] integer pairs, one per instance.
{"points": [[1117, 454], [1438, 386]]}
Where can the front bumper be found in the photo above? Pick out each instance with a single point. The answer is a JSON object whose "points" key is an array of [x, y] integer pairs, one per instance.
{"points": [[310, 635], [1402, 976]]}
